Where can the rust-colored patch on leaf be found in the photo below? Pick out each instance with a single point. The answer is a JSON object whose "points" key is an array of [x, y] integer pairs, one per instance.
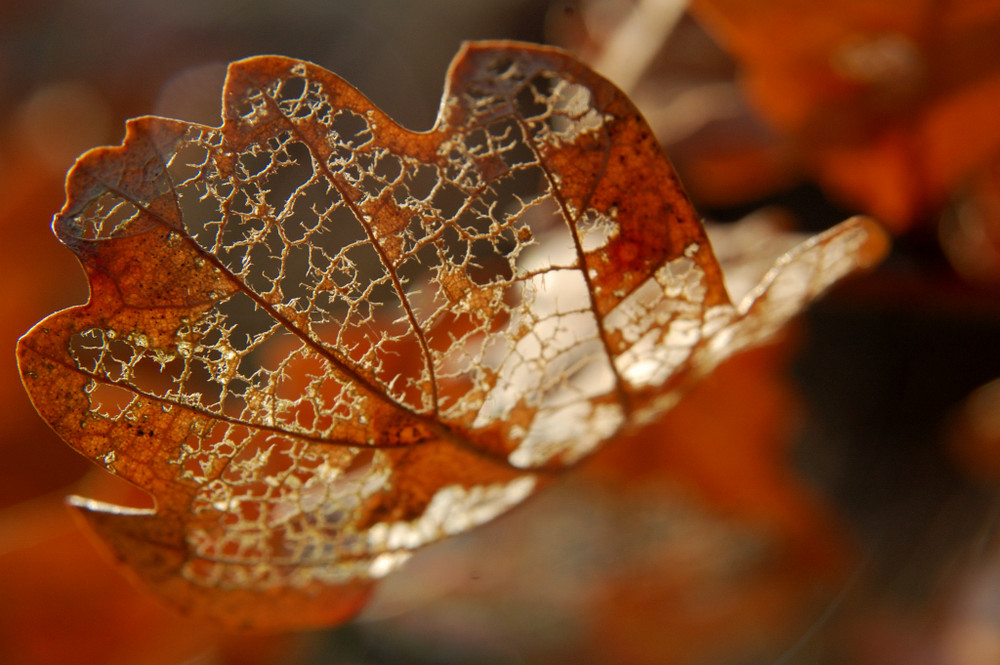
{"points": [[321, 341]]}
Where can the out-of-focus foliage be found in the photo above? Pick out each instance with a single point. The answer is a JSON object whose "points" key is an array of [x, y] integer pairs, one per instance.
{"points": [[888, 104]]}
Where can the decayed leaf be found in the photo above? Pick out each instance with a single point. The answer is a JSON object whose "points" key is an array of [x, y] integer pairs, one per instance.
{"points": [[321, 341], [50, 575], [688, 542]]}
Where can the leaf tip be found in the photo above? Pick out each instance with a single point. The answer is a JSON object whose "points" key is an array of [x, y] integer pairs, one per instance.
{"points": [[83, 505], [876, 244]]}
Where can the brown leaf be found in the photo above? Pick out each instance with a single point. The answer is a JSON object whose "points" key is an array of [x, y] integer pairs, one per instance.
{"points": [[321, 341], [51, 575], [890, 104], [970, 231], [974, 434]]}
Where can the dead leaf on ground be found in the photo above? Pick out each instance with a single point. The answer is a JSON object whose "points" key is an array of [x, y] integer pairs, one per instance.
{"points": [[488, 302]]}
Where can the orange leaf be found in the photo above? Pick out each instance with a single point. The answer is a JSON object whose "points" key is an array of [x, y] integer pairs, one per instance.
{"points": [[890, 103], [321, 341]]}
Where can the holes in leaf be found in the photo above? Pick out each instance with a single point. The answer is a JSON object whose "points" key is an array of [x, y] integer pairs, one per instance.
{"points": [[110, 401], [201, 214], [508, 139], [350, 129], [295, 168], [253, 162], [290, 88], [387, 168], [295, 282], [532, 100], [419, 183], [262, 266], [188, 163], [300, 217], [488, 261], [448, 200]]}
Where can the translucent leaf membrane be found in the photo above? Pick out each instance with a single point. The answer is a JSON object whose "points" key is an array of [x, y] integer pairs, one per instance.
{"points": [[322, 341]]}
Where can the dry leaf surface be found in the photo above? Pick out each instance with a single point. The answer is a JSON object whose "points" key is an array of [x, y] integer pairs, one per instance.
{"points": [[321, 341]]}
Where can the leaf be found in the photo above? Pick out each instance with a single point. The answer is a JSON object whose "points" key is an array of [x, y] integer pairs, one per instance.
{"points": [[970, 231], [691, 540], [973, 435], [321, 341], [50, 575], [889, 103]]}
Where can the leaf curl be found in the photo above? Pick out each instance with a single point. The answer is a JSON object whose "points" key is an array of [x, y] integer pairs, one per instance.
{"points": [[321, 341]]}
